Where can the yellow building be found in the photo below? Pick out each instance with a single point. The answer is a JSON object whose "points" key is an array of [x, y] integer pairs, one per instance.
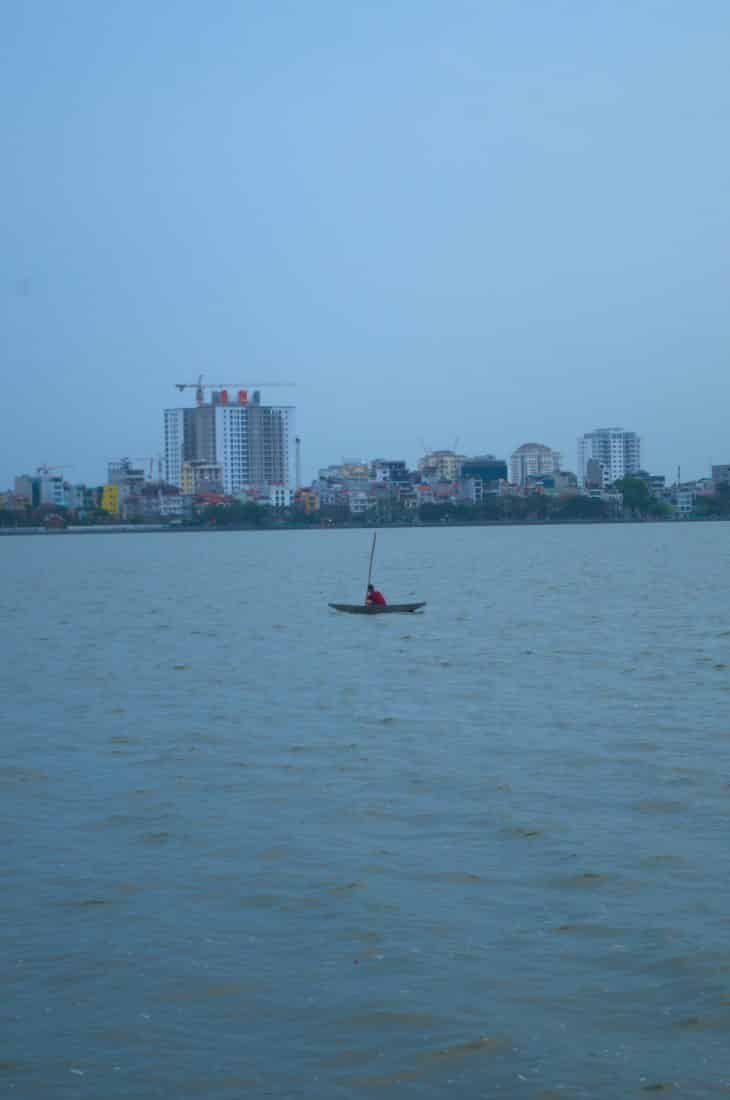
{"points": [[201, 477], [445, 464], [110, 499], [307, 500]]}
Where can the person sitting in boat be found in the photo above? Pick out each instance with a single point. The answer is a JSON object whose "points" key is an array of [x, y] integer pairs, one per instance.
{"points": [[374, 597]]}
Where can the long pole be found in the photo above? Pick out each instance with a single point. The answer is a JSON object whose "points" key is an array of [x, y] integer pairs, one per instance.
{"points": [[372, 555]]}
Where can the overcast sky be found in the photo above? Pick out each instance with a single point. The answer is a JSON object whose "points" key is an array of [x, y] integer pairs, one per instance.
{"points": [[454, 223]]}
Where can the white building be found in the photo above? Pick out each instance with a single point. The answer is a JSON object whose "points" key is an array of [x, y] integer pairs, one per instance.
{"points": [[174, 431], [253, 444], [52, 490], [619, 452], [684, 498], [532, 460], [358, 501], [280, 496]]}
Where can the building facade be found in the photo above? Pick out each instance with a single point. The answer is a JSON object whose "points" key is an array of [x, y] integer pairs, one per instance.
{"points": [[42, 488], [617, 450], [443, 464], [485, 468], [201, 477], [532, 460], [250, 444], [172, 444]]}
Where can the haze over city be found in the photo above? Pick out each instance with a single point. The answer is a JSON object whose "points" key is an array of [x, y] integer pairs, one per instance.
{"points": [[466, 224]]}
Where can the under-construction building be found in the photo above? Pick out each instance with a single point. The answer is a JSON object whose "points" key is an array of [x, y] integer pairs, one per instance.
{"points": [[252, 444]]}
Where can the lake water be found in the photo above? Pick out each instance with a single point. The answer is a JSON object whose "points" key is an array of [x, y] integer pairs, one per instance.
{"points": [[251, 847]]}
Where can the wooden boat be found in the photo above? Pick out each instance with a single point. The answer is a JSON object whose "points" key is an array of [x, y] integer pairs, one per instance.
{"points": [[377, 609]]}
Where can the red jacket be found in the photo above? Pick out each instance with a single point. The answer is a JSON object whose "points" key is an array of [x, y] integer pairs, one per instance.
{"points": [[376, 598]]}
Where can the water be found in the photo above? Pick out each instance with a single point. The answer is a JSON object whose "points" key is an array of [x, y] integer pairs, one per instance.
{"points": [[253, 847]]}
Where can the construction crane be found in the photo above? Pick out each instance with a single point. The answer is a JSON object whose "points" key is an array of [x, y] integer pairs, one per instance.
{"points": [[241, 387]]}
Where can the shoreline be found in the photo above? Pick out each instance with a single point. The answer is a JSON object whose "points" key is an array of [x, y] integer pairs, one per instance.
{"points": [[190, 529]]}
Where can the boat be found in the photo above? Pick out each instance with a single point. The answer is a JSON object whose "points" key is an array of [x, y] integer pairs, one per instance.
{"points": [[377, 609]]}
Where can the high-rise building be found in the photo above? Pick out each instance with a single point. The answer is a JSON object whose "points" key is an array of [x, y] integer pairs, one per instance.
{"points": [[532, 460], [619, 452], [253, 444], [173, 444]]}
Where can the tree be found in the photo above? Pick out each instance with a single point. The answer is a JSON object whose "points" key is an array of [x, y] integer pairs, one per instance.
{"points": [[716, 505], [637, 498], [579, 507], [237, 514], [436, 513]]}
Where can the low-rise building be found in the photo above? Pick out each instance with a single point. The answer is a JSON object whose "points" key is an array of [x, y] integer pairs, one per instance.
{"points": [[442, 464], [358, 501], [394, 471], [705, 487], [110, 499], [614, 500], [279, 496], [307, 501], [469, 490], [201, 477], [683, 498], [487, 469], [329, 495], [348, 470], [158, 501], [597, 475], [43, 487], [407, 498]]}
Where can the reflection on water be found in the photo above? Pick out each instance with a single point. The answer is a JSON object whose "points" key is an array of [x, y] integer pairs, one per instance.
{"points": [[255, 847]]}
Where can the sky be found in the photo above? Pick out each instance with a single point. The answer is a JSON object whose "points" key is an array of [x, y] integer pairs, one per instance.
{"points": [[451, 224]]}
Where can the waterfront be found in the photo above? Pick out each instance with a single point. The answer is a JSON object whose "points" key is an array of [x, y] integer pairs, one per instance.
{"points": [[253, 847]]}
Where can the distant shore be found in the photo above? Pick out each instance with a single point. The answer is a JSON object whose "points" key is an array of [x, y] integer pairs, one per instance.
{"points": [[191, 529]]}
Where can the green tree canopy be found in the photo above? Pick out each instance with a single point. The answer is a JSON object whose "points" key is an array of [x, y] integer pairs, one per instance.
{"points": [[637, 498]]}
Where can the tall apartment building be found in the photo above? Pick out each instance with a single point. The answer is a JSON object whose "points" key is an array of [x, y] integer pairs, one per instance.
{"points": [[532, 460], [253, 444], [618, 451]]}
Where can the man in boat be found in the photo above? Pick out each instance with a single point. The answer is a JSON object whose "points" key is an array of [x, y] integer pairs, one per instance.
{"points": [[374, 597]]}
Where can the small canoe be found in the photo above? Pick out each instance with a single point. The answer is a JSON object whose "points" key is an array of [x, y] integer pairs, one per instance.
{"points": [[377, 609]]}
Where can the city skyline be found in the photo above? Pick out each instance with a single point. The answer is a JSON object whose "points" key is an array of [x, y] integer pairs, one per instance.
{"points": [[410, 446], [174, 419]]}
